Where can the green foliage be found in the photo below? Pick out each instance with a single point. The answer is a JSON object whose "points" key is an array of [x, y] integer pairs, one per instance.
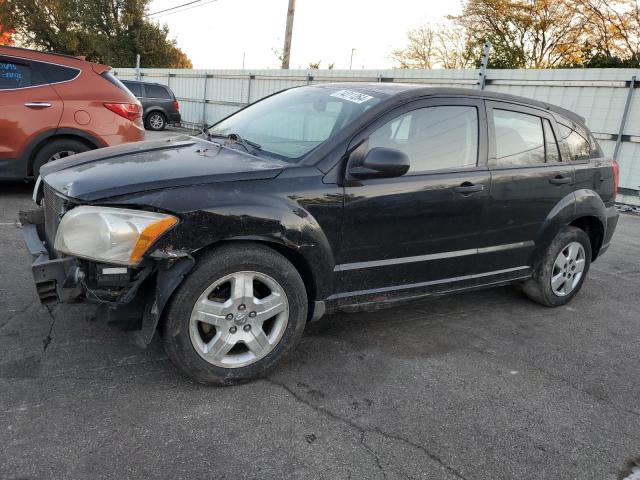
{"points": [[105, 31]]}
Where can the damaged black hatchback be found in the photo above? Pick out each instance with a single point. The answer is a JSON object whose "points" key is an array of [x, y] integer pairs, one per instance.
{"points": [[319, 199]]}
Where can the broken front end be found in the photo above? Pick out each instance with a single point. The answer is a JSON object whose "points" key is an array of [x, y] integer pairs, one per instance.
{"points": [[103, 255]]}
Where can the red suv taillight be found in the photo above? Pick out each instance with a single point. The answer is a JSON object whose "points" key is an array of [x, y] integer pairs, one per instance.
{"points": [[176, 105], [130, 111], [616, 178]]}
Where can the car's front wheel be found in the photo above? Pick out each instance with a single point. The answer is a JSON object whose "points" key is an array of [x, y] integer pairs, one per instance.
{"points": [[240, 311], [561, 272], [156, 121]]}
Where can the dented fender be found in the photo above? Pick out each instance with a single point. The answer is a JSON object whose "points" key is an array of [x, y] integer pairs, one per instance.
{"points": [[292, 216]]}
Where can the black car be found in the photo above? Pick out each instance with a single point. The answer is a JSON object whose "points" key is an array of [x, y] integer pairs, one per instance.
{"points": [[159, 104], [319, 199]]}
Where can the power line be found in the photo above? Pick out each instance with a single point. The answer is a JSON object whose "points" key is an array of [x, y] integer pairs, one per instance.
{"points": [[184, 9], [173, 8]]}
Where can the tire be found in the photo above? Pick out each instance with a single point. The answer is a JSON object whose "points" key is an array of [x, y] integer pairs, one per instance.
{"points": [[554, 284], [155, 121], [56, 150], [186, 338]]}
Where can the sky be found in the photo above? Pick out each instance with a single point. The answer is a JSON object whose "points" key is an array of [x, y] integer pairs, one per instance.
{"points": [[218, 33]]}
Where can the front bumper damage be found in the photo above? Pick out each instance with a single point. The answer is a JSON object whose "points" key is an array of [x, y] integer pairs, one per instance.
{"points": [[137, 299], [53, 276]]}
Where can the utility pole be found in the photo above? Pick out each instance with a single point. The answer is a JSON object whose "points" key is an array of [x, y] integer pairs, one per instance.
{"points": [[486, 51], [286, 52], [351, 61], [138, 67]]}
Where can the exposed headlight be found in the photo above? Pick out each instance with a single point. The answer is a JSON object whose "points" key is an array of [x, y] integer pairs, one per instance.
{"points": [[111, 235]]}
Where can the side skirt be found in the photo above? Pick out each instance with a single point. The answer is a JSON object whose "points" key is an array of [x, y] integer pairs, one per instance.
{"points": [[378, 298]]}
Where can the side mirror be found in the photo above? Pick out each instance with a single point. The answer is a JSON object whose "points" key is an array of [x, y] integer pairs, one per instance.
{"points": [[381, 162]]}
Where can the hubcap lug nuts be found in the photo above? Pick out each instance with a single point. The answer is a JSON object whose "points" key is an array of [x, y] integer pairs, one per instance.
{"points": [[233, 330], [229, 316], [252, 314], [247, 328], [242, 307]]}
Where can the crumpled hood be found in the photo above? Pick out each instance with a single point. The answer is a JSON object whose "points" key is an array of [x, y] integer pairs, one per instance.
{"points": [[143, 166]]}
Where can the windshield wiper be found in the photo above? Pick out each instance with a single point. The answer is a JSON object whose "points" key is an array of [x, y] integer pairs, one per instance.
{"points": [[248, 145]]}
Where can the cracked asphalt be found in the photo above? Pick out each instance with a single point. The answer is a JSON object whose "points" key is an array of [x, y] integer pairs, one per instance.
{"points": [[483, 385]]}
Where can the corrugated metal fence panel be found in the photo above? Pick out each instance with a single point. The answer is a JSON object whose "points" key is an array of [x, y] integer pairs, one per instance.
{"points": [[599, 95]]}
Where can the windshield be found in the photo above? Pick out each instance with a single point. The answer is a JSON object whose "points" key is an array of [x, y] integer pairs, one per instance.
{"points": [[290, 124]]}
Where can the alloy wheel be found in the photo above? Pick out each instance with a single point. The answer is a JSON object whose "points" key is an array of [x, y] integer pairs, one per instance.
{"points": [[239, 319], [568, 269], [156, 121], [61, 154]]}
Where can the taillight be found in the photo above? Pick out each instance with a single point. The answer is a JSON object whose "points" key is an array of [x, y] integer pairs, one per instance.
{"points": [[616, 178], [176, 105], [130, 111]]}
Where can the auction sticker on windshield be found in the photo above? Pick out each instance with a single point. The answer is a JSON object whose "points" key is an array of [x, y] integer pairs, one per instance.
{"points": [[350, 95]]}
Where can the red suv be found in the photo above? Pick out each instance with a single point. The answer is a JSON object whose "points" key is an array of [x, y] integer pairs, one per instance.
{"points": [[52, 106]]}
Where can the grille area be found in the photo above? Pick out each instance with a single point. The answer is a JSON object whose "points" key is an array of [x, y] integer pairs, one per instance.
{"points": [[53, 208]]}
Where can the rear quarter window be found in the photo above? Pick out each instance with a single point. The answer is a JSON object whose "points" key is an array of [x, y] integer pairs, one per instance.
{"points": [[55, 73], [580, 148]]}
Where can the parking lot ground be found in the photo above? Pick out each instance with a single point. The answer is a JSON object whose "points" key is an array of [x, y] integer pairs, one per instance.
{"points": [[482, 385]]}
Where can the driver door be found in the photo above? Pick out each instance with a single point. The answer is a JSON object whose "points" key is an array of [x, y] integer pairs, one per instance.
{"points": [[424, 227]]}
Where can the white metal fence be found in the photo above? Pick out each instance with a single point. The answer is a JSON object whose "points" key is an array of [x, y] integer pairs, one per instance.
{"points": [[599, 95]]}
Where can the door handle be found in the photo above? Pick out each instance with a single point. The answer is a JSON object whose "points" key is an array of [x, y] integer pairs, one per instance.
{"points": [[37, 104], [468, 188], [560, 180]]}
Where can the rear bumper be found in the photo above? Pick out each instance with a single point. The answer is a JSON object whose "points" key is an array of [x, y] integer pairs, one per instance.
{"points": [[612, 216], [174, 117], [53, 277]]}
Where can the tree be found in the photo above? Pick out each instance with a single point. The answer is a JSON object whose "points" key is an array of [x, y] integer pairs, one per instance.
{"points": [[614, 32], [419, 52], [525, 33], [6, 33], [429, 47], [105, 31]]}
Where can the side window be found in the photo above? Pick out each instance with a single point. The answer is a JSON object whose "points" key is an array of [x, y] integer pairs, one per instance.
{"points": [[55, 73], [156, 91], [134, 88], [433, 138], [519, 139], [579, 147], [14, 75], [550, 143]]}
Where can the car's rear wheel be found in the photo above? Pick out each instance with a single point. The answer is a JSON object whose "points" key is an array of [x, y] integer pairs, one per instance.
{"points": [[57, 150], [156, 121], [240, 311], [561, 272]]}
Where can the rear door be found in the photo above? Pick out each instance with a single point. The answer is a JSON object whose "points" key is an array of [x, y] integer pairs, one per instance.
{"points": [[423, 228], [528, 179], [29, 105]]}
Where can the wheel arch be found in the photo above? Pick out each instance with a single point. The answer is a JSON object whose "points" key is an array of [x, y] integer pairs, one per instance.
{"points": [[583, 209], [300, 261], [30, 152]]}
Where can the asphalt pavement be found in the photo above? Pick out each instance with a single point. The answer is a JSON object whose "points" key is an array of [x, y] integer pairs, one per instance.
{"points": [[483, 385]]}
